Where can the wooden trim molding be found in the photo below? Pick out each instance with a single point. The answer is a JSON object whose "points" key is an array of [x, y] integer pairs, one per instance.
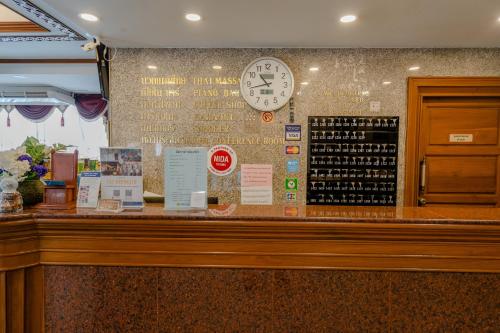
{"points": [[264, 243], [418, 88], [6, 27]]}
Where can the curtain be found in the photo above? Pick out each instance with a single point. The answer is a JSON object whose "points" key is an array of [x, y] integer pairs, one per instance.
{"points": [[90, 106], [37, 113]]}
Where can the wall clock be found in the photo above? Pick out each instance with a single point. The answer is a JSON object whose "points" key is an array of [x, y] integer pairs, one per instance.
{"points": [[267, 84]]}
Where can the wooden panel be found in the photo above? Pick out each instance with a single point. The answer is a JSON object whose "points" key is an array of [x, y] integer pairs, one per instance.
{"points": [[34, 311], [6, 27], [3, 303], [461, 174], [15, 301], [420, 88], [481, 124]]}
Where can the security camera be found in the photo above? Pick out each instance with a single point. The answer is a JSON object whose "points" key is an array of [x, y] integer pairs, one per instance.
{"points": [[91, 45]]}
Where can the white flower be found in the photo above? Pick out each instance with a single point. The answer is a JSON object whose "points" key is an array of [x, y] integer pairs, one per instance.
{"points": [[9, 162]]}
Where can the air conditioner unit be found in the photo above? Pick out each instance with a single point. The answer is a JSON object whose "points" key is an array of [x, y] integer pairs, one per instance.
{"points": [[34, 95]]}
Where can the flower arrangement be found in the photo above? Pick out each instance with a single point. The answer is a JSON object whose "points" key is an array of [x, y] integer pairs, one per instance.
{"points": [[26, 161]]}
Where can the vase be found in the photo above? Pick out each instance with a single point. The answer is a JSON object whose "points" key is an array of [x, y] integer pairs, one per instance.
{"points": [[32, 192], [11, 200]]}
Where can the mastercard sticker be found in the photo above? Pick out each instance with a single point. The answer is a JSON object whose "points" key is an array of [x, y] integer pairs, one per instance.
{"points": [[292, 150]]}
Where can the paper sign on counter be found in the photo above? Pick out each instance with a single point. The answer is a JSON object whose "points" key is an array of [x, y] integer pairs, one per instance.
{"points": [[256, 184]]}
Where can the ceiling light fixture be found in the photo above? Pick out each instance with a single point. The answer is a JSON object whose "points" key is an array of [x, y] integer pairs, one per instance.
{"points": [[314, 69], [305, 83], [193, 17], [414, 68], [386, 82], [348, 18], [217, 67], [88, 17], [152, 67]]}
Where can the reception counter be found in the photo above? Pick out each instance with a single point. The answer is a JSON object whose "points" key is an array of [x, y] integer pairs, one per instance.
{"points": [[251, 269]]}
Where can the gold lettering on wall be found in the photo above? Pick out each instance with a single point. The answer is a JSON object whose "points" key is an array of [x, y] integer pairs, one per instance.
{"points": [[205, 93], [203, 140], [158, 128], [156, 116], [211, 128], [214, 117], [209, 81], [155, 92], [211, 104], [160, 104], [163, 80]]}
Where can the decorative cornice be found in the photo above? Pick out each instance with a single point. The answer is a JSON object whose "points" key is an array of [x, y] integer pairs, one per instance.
{"points": [[58, 31]]}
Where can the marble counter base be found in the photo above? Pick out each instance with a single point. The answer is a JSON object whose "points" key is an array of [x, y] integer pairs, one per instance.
{"points": [[126, 299]]}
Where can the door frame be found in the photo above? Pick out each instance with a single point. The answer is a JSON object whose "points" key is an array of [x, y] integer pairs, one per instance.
{"points": [[420, 87]]}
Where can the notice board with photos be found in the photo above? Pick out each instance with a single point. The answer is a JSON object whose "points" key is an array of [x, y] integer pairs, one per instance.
{"points": [[352, 161]]}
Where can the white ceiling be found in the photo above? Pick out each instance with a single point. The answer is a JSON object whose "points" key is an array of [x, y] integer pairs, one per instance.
{"points": [[289, 23], [247, 23]]}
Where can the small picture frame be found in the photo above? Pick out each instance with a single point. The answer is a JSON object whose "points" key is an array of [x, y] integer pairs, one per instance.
{"points": [[110, 205]]}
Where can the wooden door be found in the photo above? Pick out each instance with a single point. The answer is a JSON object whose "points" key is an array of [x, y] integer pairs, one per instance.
{"points": [[456, 147]]}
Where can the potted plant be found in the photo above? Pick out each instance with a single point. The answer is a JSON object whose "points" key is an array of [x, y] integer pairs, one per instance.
{"points": [[37, 155]]}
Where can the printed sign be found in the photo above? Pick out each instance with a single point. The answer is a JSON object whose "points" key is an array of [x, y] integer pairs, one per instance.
{"points": [[256, 184], [88, 189], [185, 177], [292, 150], [292, 166], [291, 184], [267, 117], [461, 138], [121, 176], [222, 160], [291, 196], [292, 132]]}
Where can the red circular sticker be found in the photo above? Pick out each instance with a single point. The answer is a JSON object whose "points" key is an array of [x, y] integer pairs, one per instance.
{"points": [[221, 160]]}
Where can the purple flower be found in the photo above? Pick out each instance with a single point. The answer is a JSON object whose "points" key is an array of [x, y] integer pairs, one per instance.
{"points": [[25, 158], [40, 170]]}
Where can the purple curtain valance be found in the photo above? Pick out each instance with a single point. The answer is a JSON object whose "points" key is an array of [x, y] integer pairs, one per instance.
{"points": [[90, 106], [36, 113]]}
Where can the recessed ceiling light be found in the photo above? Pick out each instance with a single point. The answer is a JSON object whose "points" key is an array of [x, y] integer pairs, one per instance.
{"points": [[498, 19], [152, 67], [217, 67], [305, 83], [193, 17], [386, 82], [88, 17], [348, 18], [314, 69], [414, 68]]}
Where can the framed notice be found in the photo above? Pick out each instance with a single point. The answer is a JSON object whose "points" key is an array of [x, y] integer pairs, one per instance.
{"points": [[185, 178], [121, 176], [256, 184], [88, 189]]}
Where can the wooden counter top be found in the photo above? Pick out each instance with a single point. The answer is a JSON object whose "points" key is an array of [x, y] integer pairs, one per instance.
{"points": [[288, 214], [444, 239]]}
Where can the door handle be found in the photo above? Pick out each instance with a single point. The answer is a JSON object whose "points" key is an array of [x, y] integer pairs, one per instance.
{"points": [[422, 201], [423, 169]]}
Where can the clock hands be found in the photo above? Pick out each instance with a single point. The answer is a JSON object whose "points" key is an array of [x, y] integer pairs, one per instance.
{"points": [[260, 85], [267, 84]]}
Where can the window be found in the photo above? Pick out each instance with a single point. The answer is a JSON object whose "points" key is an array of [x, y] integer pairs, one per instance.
{"points": [[86, 136]]}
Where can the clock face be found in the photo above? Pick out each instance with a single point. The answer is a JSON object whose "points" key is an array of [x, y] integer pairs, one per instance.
{"points": [[267, 84]]}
